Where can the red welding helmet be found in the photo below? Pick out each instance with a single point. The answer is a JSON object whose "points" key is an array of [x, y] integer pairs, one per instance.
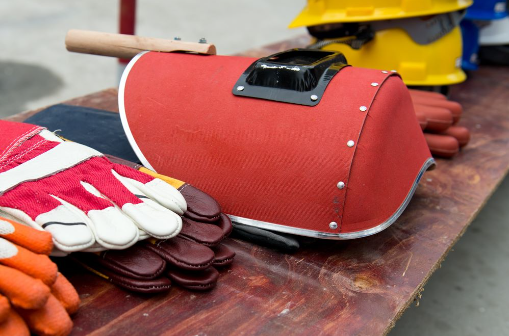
{"points": [[296, 142]]}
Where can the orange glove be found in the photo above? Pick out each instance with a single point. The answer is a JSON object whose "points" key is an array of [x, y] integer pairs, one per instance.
{"points": [[10, 322], [4, 308], [34, 296]]}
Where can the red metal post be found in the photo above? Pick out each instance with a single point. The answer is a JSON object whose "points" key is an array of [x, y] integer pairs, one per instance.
{"points": [[127, 20]]}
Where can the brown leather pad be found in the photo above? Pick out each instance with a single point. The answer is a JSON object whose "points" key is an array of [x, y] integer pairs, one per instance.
{"points": [[203, 280], [183, 253]]}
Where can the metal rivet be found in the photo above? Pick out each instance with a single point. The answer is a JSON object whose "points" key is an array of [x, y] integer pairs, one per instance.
{"points": [[385, 71], [203, 40], [350, 143], [176, 38], [333, 225], [341, 184], [240, 88], [374, 84], [314, 97], [363, 108]]}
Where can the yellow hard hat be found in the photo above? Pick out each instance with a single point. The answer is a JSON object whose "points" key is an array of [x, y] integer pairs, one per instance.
{"points": [[432, 64], [319, 12]]}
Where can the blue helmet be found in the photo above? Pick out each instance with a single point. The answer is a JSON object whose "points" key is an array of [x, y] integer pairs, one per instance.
{"points": [[487, 10], [470, 36]]}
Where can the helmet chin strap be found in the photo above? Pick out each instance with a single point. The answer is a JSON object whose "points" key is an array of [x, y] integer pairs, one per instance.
{"points": [[355, 39], [422, 30]]}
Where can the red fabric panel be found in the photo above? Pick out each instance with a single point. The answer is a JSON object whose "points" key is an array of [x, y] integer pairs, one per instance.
{"points": [[269, 161], [31, 201], [389, 156], [33, 197], [132, 173], [28, 150], [20, 143], [12, 134]]}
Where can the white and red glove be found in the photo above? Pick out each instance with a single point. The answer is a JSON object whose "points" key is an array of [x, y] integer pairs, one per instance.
{"points": [[72, 191]]}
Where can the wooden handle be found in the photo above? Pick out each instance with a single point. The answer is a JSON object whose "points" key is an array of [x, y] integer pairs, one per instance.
{"points": [[127, 46]]}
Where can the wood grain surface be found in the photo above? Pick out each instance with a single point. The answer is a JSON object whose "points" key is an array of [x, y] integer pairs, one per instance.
{"points": [[358, 287]]}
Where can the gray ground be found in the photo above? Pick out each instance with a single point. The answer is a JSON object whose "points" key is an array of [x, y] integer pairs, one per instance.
{"points": [[467, 296]]}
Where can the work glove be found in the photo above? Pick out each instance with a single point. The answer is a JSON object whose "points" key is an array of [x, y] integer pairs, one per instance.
{"points": [[34, 297], [439, 117], [435, 99], [85, 201], [152, 266], [189, 260]]}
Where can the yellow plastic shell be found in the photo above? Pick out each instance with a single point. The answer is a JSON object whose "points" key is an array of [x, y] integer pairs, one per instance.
{"points": [[319, 12], [438, 63]]}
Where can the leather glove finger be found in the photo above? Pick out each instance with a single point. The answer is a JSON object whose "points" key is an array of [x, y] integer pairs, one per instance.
{"points": [[223, 255], [186, 252], [196, 227], [137, 262], [438, 119], [135, 269], [462, 134], [140, 269], [454, 107], [440, 145], [423, 121], [201, 206], [199, 281], [182, 253], [204, 233]]}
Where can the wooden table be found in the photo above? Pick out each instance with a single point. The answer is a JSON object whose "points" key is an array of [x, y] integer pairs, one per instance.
{"points": [[358, 287]]}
